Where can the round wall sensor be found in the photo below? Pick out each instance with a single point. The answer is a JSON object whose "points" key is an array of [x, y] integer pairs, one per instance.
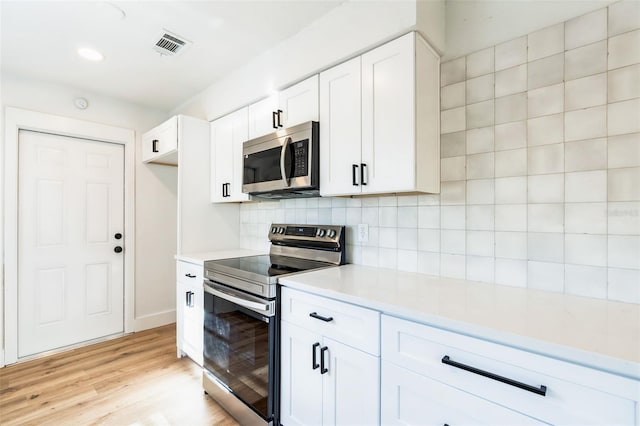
{"points": [[81, 103]]}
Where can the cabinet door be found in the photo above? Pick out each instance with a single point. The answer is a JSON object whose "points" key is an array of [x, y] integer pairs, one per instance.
{"points": [[340, 129], [350, 389], [261, 120], [388, 117], [227, 136], [192, 302], [180, 294], [161, 143], [411, 399], [301, 384], [221, 153], [299, 103]]}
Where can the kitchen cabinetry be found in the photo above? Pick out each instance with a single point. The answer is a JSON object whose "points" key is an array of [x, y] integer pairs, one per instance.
{"points": [[379, 121], [190, 310], [160, 144], [227, 136], [329, 361], [293, 105], [442, 377]]}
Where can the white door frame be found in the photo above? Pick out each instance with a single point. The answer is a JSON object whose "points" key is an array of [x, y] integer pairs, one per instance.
{"points": [[17, 119]]}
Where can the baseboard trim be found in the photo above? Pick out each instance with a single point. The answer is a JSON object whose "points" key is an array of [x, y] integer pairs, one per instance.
{"points": [[157, 319]]}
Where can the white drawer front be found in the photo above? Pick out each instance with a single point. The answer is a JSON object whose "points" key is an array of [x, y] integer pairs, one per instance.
{"points": [[189, 273], [574, 394], [352, 325], [411, 399]]}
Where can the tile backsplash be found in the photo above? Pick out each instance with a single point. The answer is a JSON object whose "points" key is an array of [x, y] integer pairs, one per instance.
{"points": [[540, 181]]}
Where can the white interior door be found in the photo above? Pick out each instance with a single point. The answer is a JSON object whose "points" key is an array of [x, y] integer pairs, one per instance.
{"points": [[70, 206]]}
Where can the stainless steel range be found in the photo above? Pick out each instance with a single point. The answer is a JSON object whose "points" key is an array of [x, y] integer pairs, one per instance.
{"points": [[241, 317]]}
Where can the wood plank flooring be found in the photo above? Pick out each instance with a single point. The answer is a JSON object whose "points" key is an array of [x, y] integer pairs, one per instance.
{"points": [[134, 380]]}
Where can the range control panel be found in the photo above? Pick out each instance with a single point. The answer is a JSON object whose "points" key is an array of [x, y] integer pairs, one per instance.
{"points": [[305, 232]]}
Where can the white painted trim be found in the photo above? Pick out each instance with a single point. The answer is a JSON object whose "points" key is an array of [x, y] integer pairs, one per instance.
{"points": [[154, 320], [17, 119]]}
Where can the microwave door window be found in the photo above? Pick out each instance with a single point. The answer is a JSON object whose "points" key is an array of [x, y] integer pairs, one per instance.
{"points": [[262, 166]]}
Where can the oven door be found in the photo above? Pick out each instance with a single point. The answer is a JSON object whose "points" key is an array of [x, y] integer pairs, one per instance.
{"points": [[281, 160], [240, 346]]}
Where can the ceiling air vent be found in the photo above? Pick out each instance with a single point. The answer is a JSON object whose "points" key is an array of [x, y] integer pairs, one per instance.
{"points": [[170, 44]]}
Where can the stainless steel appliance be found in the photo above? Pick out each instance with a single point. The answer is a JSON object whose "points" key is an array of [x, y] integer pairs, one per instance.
{"points": [[283, 164], [242, 315]]}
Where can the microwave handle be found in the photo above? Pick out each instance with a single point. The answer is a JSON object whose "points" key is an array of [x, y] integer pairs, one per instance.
{"points": [[283, 154]]}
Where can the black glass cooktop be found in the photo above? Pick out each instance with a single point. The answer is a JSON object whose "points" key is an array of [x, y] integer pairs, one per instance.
{"points": [[268, 266]]}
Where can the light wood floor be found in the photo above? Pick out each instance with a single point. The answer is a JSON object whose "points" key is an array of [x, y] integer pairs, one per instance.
{"points": [[134, 380]]}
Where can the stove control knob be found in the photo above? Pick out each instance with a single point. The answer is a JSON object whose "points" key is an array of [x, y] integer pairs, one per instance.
{"points": [[321, 232], [281, 230], [332, 233], [274, 230]]}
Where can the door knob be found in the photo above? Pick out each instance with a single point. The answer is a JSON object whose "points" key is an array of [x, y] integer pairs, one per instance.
{"points": [[117, 249], [117, 236]]}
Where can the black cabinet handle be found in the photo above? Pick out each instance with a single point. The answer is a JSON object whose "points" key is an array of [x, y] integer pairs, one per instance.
{"points": [[117, 249], [322, 369], [228, 186], [117, 236], [154, 145], [279, 117], [273, 119], [189, 275], [363, 172], [542, 390], [354, 173], [320, 317], [225, 190], [314, 363]]}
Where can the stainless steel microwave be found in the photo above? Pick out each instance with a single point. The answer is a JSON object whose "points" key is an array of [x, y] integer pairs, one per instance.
{"points": [[283, 164]]}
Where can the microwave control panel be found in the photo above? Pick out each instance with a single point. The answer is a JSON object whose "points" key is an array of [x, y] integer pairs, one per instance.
{"points": [[300, 158]]}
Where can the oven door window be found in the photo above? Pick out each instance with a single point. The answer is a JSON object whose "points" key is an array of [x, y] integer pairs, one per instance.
{"points": [[237, 348]]}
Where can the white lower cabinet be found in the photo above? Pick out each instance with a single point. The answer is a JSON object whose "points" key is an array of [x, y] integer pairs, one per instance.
{"points": [[411, 399], [458, 375], [190, 311], [325, 381]]}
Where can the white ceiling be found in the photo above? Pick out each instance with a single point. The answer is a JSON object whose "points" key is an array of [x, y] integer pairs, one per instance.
{"points": [[40, 38]]}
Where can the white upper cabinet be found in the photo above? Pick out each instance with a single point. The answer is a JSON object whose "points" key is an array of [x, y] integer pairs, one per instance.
{"points": [[341, 129], [393, 94], [299, 103], [227, 136], [160, 144], [263, 117], [294, 105]]}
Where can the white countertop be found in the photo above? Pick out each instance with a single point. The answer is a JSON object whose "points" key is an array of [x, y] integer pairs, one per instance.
{"points": [[200, 257], [593, 332]]}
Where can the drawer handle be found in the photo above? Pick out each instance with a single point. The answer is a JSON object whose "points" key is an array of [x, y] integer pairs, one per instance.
{"points": [[154, 145], [542, 390], [314, 363], [320, 317], [322, 351], [189, 275]]}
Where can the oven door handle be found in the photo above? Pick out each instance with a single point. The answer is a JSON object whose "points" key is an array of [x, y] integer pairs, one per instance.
{"points": [[283, 155], [259, 307]]}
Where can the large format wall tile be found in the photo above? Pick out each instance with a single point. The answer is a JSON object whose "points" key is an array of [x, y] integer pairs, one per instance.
{"points": [[540, 170]]}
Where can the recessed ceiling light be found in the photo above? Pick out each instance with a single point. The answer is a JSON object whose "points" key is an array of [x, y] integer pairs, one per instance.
{"points": [[90, 54]]}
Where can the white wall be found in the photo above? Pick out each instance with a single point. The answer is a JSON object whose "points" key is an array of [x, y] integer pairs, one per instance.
{"points": [[345, 31], [155, 187], [472, 25]]}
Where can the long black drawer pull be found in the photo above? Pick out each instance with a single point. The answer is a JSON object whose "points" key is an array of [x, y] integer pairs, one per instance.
{"points": [[542, 390], [314, 364], [320, 317], [322, 351], [189, 275]]}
